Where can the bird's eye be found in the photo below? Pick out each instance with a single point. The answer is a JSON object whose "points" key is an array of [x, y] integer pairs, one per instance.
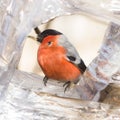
{"points": [[49, 43]]}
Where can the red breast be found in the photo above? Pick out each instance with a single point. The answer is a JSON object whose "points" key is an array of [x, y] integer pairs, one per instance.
{"points": [[54, 63]]}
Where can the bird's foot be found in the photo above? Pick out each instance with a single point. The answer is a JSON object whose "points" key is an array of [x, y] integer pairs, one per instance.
{"points": [[66, 85], [45, 79]]}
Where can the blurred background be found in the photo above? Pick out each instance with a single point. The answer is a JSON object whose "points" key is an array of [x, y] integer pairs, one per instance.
{"points": [[84, 31]]}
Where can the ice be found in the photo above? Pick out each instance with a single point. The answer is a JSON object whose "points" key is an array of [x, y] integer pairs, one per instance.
{"points": [[23, 95]]}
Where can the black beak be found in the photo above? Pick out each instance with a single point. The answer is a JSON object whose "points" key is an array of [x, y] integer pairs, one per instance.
{"points": [[38, 32]]}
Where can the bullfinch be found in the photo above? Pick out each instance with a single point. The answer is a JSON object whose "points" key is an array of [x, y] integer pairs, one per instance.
{"points": [[58, 58]]}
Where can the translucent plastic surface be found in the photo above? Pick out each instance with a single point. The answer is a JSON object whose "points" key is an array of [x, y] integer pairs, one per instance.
{"points": [[23, 96]]}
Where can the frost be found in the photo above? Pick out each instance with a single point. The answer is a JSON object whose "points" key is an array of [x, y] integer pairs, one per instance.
{"points": [[23, 96]]}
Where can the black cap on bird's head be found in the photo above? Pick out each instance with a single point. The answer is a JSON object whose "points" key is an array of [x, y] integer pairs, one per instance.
{"points": [[46, 33]]}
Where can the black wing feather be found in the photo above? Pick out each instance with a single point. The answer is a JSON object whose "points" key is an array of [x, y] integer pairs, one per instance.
{"points": [[81, 65]]}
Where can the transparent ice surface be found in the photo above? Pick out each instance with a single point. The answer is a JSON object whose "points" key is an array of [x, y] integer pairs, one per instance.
{"points": [[23, 96]]}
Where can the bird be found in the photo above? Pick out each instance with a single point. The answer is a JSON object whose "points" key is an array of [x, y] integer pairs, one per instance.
{"points": [[58, 58]]}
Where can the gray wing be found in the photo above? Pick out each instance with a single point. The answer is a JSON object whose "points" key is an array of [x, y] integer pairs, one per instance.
{"points": [[72, 54]]}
